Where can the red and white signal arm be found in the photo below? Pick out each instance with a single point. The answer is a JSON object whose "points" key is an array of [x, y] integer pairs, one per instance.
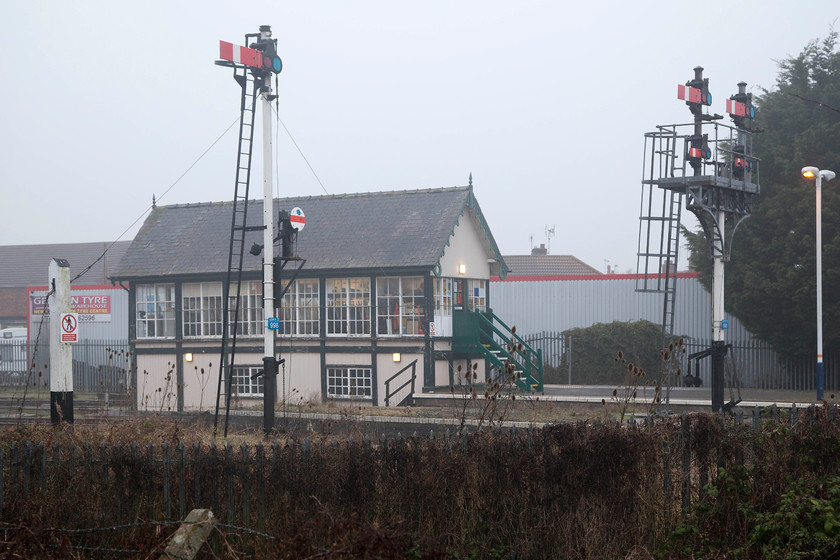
{"points": [[690, 94], [69, 327], [240, 55], [297, 218]]}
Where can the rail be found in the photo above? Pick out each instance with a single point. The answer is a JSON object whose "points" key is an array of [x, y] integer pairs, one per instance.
{"points": [[411, 381]]}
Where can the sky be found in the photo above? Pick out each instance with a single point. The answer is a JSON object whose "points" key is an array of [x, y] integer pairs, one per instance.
{"points": [[106, 104]]}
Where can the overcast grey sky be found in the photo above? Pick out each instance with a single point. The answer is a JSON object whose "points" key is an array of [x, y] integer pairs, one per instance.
{"points": [[106, 103]]}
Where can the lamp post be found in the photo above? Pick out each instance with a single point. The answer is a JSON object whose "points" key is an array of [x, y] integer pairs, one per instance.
{"points": [[819, 175]]}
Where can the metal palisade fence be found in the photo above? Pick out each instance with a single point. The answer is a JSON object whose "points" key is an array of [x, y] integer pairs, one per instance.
{"points": [[751, 362], [98, 365]]}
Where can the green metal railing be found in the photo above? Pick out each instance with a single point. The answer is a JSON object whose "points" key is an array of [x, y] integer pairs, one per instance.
{"points": [[483, 333]]}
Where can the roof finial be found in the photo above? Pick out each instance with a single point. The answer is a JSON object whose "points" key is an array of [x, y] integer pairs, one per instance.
{"points": [[154, 202], [470, 178]]}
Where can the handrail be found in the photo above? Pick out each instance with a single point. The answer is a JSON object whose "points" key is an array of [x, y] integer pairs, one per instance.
{"points": [[389, 393], [532, 359], [503, 334]]}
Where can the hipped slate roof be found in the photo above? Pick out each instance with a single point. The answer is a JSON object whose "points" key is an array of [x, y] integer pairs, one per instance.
{"points": [[28, 265], [392, 229], [547, 265]]}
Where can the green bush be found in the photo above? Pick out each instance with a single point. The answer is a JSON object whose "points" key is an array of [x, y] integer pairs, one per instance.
{"points": [[595, 348]]}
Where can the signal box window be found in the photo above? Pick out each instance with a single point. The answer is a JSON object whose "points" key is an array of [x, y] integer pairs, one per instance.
{"points": [[348, 306], [400, 306], [349, 383], [244, 384], [155, 311], [301, 309]]}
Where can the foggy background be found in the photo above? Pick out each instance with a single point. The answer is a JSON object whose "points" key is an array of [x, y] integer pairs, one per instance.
{"points": [[105, 104]]}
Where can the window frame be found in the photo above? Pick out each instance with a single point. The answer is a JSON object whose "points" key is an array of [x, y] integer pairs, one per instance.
{"points": [[155, 306], [341, 378], [351, 320], [253, 313], [400, 313], [205, 319], [476, 302], [241, 376], [301, 310]]}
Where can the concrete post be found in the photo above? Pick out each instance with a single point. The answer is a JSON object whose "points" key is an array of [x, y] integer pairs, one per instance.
{"points": [[61, 353]]}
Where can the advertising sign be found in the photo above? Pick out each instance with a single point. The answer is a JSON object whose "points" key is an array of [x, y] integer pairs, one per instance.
{"points": [[89, 308]]}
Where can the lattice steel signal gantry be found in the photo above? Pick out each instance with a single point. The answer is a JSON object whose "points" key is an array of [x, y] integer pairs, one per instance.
{"points": [[711, 165]]}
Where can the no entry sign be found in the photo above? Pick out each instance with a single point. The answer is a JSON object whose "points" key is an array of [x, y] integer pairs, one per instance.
{"points": [[69, 327]]}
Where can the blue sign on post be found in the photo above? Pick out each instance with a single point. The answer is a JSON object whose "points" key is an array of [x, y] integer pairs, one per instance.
{"points": [[274, 323], [724, 324]]}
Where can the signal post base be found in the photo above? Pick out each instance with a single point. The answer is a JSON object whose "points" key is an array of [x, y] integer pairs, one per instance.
{"points": [[61, 407]]}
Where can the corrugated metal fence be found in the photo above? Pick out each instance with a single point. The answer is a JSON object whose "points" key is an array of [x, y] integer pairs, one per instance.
{"points": [[752, 363]]}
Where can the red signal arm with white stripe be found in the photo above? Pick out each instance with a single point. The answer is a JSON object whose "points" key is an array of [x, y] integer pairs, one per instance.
{"points": [[694, 94], [240, 55], [736, 108]]}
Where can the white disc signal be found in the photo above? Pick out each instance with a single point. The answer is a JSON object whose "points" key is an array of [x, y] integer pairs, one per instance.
{"points": [[297, 219]]}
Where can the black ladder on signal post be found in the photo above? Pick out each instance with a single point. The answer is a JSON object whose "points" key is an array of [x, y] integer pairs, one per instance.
{"points": [[238, 229]]}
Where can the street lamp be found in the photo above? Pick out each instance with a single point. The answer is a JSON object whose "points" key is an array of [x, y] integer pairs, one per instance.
{"points": [[819, 175]]}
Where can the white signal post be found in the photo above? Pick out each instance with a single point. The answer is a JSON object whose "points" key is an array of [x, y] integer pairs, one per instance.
{"points": [[268, 233], [263, 63]]}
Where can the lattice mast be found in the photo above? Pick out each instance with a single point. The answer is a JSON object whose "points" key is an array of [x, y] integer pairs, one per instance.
{"points": [[719, 177]]}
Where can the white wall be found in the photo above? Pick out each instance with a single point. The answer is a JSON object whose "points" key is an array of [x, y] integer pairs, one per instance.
{"points": [[466, 246]]}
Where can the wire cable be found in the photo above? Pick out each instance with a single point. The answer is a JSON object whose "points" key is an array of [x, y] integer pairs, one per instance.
{"points": [[301, 153], [146, 211]]}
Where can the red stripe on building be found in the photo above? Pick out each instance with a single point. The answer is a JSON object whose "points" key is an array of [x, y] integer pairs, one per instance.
{"points": [[576, 277]]}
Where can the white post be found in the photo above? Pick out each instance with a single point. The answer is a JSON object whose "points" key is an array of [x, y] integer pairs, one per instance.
{"points": [[268, 220], [269, 361], [61, 353], [717, 285], [718, 343], [820, 373]]}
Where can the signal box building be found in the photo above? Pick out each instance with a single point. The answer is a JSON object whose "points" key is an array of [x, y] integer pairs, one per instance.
{"points": [[392, 281]]}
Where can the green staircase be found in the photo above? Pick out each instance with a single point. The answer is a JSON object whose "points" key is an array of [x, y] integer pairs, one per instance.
{"points": [[480, 334]]}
